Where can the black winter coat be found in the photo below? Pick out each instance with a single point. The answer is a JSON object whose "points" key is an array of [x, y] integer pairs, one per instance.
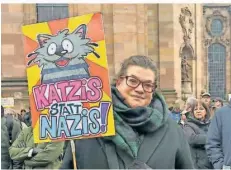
{"points": [[196, 133], [166, 148]]}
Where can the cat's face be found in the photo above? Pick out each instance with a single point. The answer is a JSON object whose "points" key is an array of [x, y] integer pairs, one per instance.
{"points": [[62, 48]]}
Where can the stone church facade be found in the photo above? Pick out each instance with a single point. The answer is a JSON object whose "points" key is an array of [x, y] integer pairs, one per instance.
{"points": [[190, 43]]}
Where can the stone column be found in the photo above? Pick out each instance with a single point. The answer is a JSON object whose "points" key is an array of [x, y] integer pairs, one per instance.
{"points": [[13, 61], [73, 10], [125, 37], [30, 14], [107, 11], [84, 9], [166, 46], [199, 52], [153, 32], [142, 29]]}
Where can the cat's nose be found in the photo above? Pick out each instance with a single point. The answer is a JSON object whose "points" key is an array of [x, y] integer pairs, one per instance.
{"points": [[60, 51]]}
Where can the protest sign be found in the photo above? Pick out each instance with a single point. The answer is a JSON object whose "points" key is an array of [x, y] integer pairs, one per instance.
{"points": [[68, 79], [7, 102]]}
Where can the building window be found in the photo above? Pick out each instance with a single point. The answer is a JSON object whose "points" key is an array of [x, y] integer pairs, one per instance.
{"points": [[47, 12], [217, 70], [216, 27]]}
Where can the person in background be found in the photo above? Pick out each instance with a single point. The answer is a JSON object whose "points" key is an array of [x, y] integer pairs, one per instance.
{"points": [[23, 111], [187, 111], [217, 103], [170, 108], [10, 130], [13, 125], [21, 115], [5, 143], [183, 118], [146, 138], [218, 144], [36, 156], [20, 118], [27, 118], [175, 114], [206, 98], [195, 130]]}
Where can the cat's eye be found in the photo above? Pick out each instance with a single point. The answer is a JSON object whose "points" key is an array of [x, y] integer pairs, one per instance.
{"points": [[51, 49], [67, 45]]}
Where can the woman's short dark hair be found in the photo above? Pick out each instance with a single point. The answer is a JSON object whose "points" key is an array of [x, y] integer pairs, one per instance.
{"points": [[137, 60]]}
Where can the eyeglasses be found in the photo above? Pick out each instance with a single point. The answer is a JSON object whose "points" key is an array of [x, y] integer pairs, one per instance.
{"points": [[134, 83]]}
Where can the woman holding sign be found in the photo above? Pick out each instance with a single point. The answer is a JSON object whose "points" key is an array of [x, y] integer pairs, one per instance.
{"points": [[145, 137]]}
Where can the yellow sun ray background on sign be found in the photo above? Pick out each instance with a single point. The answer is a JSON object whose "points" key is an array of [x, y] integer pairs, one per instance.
{"points": [[96, 34]]}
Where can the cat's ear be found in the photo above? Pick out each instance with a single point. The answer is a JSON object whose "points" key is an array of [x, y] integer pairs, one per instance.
{"points": [[65, 31], [82, 29], [42, 38]]}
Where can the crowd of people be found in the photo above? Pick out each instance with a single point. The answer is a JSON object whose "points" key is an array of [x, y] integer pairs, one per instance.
{"points": [[195, 119], [180, 114], [149, 134]]}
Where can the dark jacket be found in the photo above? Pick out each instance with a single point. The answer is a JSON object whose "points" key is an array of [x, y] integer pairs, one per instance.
{"points": [[14, 127], [219, 138], [196, 134], [5, 144], [10, 130], [165, 148]]}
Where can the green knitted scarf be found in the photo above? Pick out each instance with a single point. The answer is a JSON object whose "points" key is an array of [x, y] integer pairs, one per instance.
{"points": [[130, 122]]}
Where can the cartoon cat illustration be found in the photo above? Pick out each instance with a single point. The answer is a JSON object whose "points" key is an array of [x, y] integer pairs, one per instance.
{"points": [[62, 56]]}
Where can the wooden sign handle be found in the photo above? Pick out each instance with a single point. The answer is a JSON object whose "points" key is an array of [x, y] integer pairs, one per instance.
{"points": [[73, 154]]}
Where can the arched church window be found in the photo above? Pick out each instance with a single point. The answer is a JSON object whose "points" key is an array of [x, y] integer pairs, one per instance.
{"points": [[216, 70], [216, 27]]}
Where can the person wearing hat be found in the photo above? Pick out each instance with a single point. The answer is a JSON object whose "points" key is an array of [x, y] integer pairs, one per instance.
{"points": [[217, 103], [206, 98]]}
